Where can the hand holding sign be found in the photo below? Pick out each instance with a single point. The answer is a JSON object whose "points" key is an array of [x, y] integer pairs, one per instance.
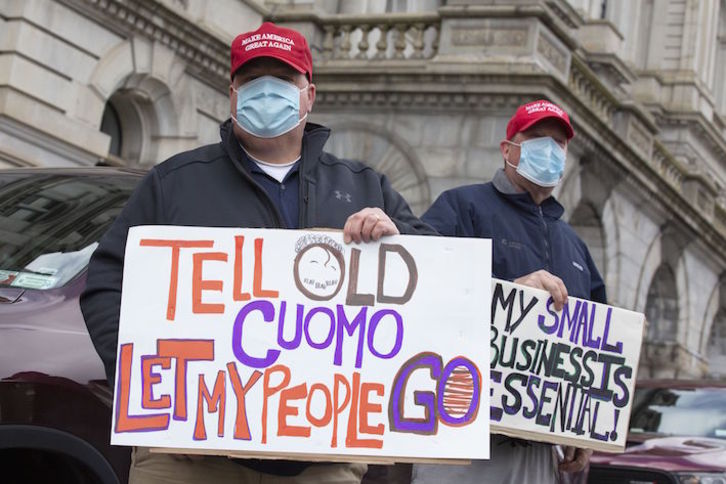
{"points": [[368, 224], [575, 459], [544, 280]]}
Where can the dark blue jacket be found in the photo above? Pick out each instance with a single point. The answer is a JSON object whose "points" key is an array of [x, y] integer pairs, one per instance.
{"points": [[211, 186], [525, 237]]}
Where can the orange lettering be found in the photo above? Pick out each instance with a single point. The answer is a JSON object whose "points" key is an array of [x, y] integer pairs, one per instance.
{"points": [[199, 284], [325, 420], [124, 421], [237, 294], [351, 439], [214, 401], [149, 379], [367, 407], [184, 350], [338, 409], [241, 427], [268, 391], [257, 290], [176, 246], [295, 393]]}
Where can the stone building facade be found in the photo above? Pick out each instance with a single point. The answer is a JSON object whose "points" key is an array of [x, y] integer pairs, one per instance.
{"points": [[422, 89]]}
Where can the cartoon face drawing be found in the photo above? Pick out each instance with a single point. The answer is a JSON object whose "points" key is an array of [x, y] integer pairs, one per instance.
{"points": [[319, 271]]}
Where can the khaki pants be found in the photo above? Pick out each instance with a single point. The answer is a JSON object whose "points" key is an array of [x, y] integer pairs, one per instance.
{"points": [[155, 468]]}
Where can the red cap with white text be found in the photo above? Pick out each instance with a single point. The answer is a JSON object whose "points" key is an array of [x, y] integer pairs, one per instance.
{"points": [[271, 40], [529, 114]]}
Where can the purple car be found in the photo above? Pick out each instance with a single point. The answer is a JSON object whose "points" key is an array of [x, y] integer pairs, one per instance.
{"points": [[677, 435], [55, 404]]}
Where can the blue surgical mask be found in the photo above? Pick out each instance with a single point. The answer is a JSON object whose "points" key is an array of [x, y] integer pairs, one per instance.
{"points": [[268, 107], [541, 161]]}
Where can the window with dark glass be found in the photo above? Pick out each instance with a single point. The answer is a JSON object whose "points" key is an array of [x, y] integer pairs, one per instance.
{"points": [[50, 224], [111, 125]]}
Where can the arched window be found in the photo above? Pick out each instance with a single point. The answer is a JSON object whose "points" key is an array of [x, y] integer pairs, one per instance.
{"points": [[661, 307], [716, 349], [129, 118], [586, 222], [111, 125]]}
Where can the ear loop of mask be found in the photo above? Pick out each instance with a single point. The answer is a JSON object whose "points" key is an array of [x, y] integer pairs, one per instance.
{"points": [[514, 144]]}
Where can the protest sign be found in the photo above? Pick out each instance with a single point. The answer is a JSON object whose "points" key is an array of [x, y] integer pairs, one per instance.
{"points": [[562, 377], [282, 343]]}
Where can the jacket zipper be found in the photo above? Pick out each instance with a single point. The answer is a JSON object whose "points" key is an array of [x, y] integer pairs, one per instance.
{"points": [[548, 259], [303, 199], [268, 199], [302, 209], [302, 202], [275, 212]]}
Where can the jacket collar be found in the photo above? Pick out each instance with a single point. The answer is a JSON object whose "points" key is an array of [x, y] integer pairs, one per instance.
{"points": [[523, 200], [314, 138]]}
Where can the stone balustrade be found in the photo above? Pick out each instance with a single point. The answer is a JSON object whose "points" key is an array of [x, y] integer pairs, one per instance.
{"points": [[380, 37]]}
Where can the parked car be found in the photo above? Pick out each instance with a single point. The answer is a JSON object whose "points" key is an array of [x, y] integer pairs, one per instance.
{"points": [[55, 404], [677, 435]]}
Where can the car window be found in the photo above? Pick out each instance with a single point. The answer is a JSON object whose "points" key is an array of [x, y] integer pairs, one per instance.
{"points": [[50, 224], [684, 412]]}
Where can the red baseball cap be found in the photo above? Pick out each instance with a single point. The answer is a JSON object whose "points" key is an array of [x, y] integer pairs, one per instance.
{"points": [[531, 113], [271, 40]]}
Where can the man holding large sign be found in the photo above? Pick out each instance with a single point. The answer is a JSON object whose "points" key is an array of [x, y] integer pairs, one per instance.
{"points": [[269, 170], [531, 246], [292, 343]]}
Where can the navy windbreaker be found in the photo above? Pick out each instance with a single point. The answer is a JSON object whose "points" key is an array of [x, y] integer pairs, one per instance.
{"points": [[210, 186], [525, 237]]}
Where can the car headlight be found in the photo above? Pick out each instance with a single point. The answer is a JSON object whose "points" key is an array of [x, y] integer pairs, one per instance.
{"points": [[701, 477]]}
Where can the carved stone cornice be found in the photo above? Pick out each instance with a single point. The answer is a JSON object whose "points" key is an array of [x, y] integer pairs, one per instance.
{"points": [[330, 98], [207, 56], [701, 127], [418, 89], [565, 12], [613, 66], [493, 93], [719, 214], [660, 177], [555, 14]]}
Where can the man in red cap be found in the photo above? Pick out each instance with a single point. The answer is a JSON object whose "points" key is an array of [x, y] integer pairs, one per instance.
{"points": [[531, 246], [269, 170]]}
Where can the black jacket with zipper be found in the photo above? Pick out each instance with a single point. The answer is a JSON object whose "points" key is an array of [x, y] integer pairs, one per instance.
{"points": [[210, 186]]}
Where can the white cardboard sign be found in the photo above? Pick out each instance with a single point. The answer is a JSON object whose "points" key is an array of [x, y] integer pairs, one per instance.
{"points": [[563, 377], [294, 344]]}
